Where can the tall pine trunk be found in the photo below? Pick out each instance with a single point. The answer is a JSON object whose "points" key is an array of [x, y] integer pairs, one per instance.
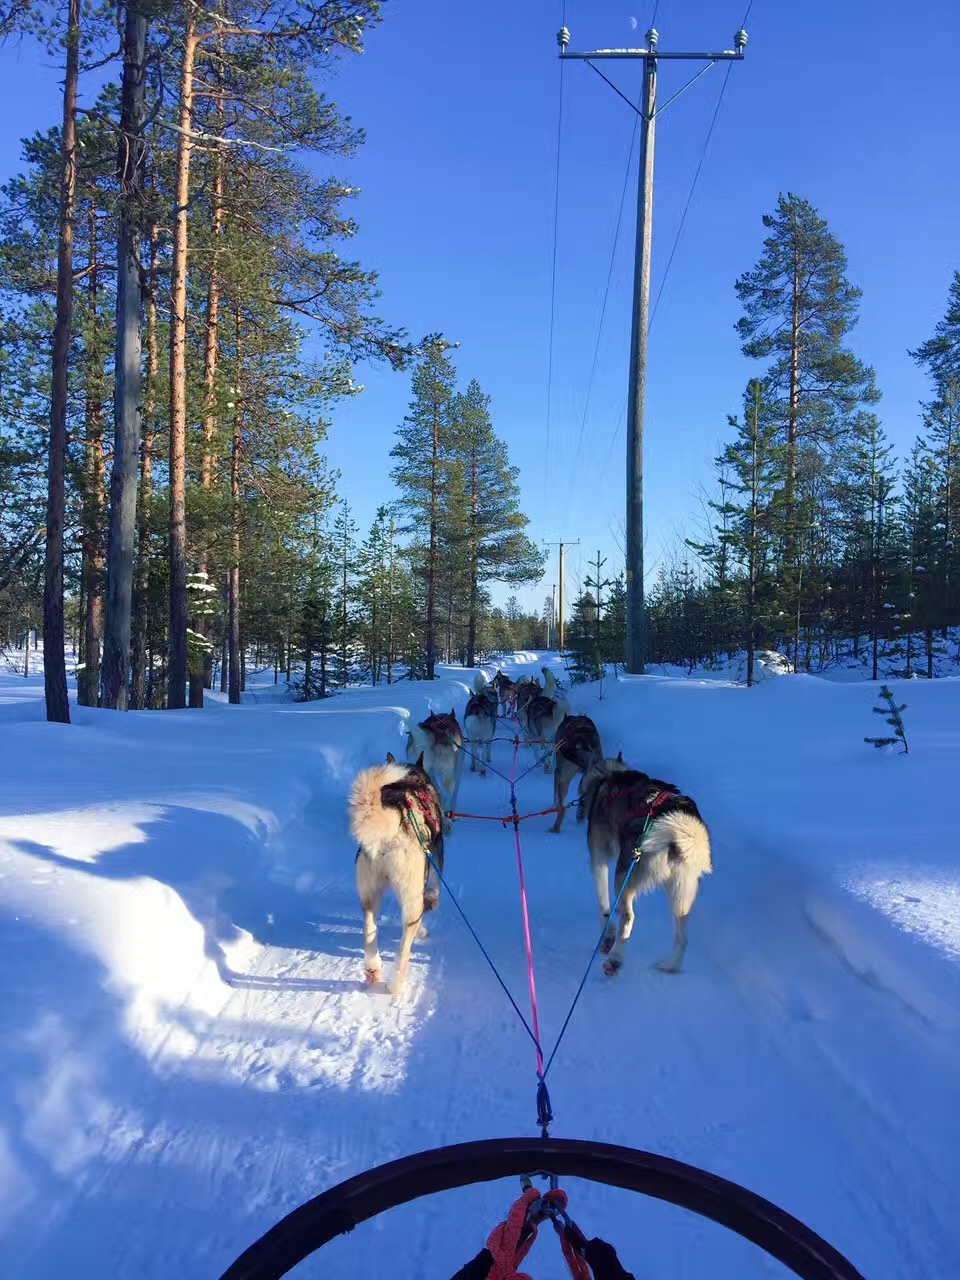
{"points": [[235, 682], [390, 611], [204, 678], [474, 559], [141, 615], [91, 553], [431, 622], [127, 407], [177, 666], [54, 661]]}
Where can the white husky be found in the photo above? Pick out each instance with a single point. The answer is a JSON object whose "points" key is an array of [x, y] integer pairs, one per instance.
{"points": [[395, 817]]}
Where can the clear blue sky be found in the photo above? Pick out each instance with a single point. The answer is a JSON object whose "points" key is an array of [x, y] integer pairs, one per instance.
{"points": [[850, 104]]}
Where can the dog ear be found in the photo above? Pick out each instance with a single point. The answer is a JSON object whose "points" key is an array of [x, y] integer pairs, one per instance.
{"points": [[619, 757], [420, 761], [453, 713], [391, 758]]}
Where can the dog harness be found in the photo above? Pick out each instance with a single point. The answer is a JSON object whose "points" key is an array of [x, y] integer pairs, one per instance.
{"points": [[428, 811]]}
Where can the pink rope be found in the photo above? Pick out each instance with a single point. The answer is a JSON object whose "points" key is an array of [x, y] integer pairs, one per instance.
{"points": [[526, 917]]}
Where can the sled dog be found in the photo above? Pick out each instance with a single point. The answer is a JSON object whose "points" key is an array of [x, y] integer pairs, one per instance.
{"points": [[541, 718], [394, 810], [627, 810], [507, 690], [577, 751], [480, 723], [440, 740], [528, 688]]}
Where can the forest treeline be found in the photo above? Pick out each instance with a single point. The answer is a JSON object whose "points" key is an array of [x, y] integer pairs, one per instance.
{"points": [[180, 316]]}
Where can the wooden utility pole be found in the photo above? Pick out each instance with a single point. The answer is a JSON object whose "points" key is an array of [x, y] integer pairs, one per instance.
{"points": [[560, 625], [648, 112]]}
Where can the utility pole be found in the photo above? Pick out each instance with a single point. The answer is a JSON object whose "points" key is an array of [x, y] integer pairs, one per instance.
{"points": [[648, 112], [553, 615], [562, 546]]}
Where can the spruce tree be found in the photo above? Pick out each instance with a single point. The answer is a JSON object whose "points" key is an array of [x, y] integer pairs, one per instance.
{"points": [[422, 452], [498, 546]]}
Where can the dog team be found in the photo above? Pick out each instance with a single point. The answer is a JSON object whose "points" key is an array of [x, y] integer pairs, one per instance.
{"points": [[643, 827]]}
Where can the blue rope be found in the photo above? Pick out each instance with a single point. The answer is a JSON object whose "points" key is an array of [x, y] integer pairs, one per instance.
{"points": [[483, 950], [593, 956]]}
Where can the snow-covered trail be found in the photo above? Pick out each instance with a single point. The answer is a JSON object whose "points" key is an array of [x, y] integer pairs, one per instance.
{"points": [[808, 1051]]}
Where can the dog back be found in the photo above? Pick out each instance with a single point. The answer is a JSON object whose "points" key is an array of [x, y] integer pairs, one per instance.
{"points": [[578, 741]]}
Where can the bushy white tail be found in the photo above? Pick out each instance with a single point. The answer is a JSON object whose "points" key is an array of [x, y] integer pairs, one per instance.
{"points": [[684, 835], [371, 823], [479, 682]]}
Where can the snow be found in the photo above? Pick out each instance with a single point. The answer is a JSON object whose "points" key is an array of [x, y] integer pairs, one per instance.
{"points": [[187, 1051]]}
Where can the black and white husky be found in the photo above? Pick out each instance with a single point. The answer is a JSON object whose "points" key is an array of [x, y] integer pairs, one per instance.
{"points": [[439, 740], [395, 817], [480, 722], [628, 811], [577, 751]]}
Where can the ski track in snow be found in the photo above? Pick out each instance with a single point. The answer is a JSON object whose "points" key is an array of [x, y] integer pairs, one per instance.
{"points": [[188, 1052]]}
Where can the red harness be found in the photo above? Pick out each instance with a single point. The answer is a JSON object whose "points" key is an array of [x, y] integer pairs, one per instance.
{"points": [[646, 809], [428, 810]]}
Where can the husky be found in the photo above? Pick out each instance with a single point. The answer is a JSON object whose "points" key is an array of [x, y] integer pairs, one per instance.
{"points": [[507, 690], [542, 718], [627, 812], [394, 812], [440, 740], [577, 751], [528, 688], [480, 723]]}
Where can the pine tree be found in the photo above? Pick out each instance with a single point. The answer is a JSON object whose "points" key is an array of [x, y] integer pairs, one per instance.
{"points": [[865, 496], [798, 309], [344, 535], [499, 549], [422, 454], [54, 665], [892, 710]]}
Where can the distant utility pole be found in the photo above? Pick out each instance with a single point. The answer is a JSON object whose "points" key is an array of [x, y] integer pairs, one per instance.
{"points": [[648, 112], [563, 546]]}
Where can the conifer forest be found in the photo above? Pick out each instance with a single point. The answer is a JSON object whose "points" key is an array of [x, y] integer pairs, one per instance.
{"points": [[182, 316]]}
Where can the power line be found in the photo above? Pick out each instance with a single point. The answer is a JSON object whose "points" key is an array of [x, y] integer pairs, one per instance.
{"points": [[606, 294], [553, 279]]}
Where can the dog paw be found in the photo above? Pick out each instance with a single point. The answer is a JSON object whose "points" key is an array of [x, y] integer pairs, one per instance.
{"points": [[667, 966], [612, 966], [554, 830], [606, 946], [372, 976], [396, 989]]}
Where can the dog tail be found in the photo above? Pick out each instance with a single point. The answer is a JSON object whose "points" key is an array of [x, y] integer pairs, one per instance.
{"points": [[371, 822], [479, 683], [685, 842]]}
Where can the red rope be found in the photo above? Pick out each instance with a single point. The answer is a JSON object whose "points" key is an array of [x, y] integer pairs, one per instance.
{"points": [[504, 822], [510, 1242]]}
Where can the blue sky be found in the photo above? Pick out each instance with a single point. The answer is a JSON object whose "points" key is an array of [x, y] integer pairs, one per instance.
{"points": [[850, 104]]}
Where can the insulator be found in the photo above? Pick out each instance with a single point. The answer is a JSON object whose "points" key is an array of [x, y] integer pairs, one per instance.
{"points": [[563, 37], [652, 37], [740, 40]]}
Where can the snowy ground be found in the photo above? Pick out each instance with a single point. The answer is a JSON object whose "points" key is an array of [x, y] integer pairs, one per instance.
{"points": [[186, 1052]]}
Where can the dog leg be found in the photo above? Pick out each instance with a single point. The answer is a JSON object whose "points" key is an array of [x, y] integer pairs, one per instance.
{"points": [[679, 947], [399, 980], [473, 755], [601, 880], [559, 797], [372, 964], [614, 962]]}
